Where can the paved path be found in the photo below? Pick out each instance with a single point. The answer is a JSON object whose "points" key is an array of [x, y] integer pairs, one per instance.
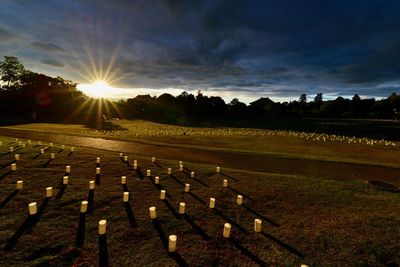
{"points": [[235, 160]]}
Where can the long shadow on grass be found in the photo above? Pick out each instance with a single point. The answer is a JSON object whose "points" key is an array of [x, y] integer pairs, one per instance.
{"points": [[46, 163], [195, 227], [171, 208], [5, 154], [176, 179], [8, 164], [157, 164], [80, 232], [8, 199], [28, 224], [5, 174], [61, 150], [228, 176], [173, 255], [197, 198], [130, 214], [241, 193], [61, 191], [200, 181], [139, 173], [241, 229], [247, 252], [90, 201], [37, 155], [260, 215], [70, 153], [283, 244], [103, 252], [97, 179]]}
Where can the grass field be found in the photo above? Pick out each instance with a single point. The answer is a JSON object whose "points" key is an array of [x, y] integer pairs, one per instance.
{"points": [[319, 221]]}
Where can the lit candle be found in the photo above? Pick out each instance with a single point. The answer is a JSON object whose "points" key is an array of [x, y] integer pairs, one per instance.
{"points": [[49, 191], [153, 159], [126, 196], [102, 227], [51, 144], [212, 202], [225, 183], [42, 151], [125, 158], [227, 230], [91, 185], [11, 149], [52, 156], [169, 171], [123, 179], [182, 208], [192, 174], [39, 143], [17, 157], [20, 185], [23, 145], [239, 199], [180, 163], [32, 208], [72, 149], [84, 205], [162, 194], [135, 166], [148, 173], [257, 225], [218, 169], [187, 187], [97, 160], [29, 141], [98, 170], [13, 167], [181, 168], [121, 155], [153, 213], [67, 169], [65, 180], [172, 243], [63, 147], [156, 180]]}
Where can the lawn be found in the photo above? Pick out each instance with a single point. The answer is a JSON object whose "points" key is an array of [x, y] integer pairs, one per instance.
{"points": [[318, 221]]}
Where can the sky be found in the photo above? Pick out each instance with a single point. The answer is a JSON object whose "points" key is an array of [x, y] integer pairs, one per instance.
{"points": [[231, 48]]}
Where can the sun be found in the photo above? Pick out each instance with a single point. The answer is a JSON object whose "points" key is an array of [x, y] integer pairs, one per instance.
{"points": [[98, 89]]}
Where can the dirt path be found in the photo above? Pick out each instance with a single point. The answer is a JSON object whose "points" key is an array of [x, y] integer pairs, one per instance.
{"points": [[245, 161]]}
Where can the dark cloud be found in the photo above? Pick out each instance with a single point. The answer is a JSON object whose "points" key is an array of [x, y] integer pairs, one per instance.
{"points": [[53, 63], [6, 35], [47, 47]]}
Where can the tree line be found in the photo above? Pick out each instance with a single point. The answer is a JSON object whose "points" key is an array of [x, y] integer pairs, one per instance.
{"points": [[29, 96]]}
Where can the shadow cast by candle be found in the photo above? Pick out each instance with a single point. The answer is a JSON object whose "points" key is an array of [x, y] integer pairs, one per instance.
{"points": [[238, 226], [260, 215], [241, 193], [125, 189], [97, 179], [139, 173], [8, 164], [5, 174], [46, 163], [173, 255], [176, 179], [70, 153], [28, 224], [157, 164], [61, 191], [90, 201], [172, 209], [246, 252], [228, 176], [200, 181], [130, 214], [284, 245], [8, 199], [37, 155], [80, 232], [5, 154], [197, 198], [195, 227], [61, 150], [103, 252]]}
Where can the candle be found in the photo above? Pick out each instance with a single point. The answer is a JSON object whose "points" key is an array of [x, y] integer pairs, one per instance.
{"points": [[192, 174], [225, 183], [42, 151], [169, 171], [187, 187], [153, 159], [162, 194], [11, 149], [212, 202], [91, 185], [182, 208], [49, 191], [32, 208], [121, 155], [23, 145], [63, 147], [135, 161], [180, 168], [16, 139], [257, 225], [97, 160], [126, 158], [153, 213], [180, 163], [123, 179], [84, 205], [29, 141], [126, 196], [52, 156], [13, 167], [239, 199], [148, 172], [156, 180], [72, 149], [98, 170], [51, 144], [135, 166], [17, 157], [102, 227], [172, 243], [67, 169], [20, 185], [65, 180], [227, 230], [39, 143], [218, 169]]}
